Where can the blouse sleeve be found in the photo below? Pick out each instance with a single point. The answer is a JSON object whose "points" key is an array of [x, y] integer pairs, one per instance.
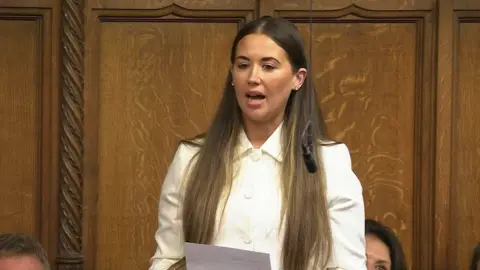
{"points": [[169, 234], [346, 208]]}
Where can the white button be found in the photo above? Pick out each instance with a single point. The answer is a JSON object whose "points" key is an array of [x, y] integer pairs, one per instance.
{"points": [[246, 239], [248, 191], [256, 155]]}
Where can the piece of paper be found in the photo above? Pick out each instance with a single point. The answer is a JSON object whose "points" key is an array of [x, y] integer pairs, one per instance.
{"points": [[207, 257]]}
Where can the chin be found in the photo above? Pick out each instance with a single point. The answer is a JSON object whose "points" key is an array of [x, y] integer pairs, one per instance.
{"points": [[255, 117]]}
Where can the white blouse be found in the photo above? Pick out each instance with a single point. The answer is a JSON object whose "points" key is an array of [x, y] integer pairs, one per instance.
{"points": [[252, 213]]}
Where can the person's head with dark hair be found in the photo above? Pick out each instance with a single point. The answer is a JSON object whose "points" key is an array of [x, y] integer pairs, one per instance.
{"points": [[22, 252], [476, 258], [384, 250], [267, 85]]}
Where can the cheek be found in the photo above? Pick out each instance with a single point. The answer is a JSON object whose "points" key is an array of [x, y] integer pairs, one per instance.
{"points": [[280, 86], [239, 77], [280, 94], [238, 93], [376, 250]]}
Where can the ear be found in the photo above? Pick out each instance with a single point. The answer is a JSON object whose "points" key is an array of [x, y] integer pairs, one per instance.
{"points": [[299, 78]]}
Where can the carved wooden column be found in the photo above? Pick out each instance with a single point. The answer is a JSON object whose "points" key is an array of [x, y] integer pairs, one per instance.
{"points": [[70, 251]]}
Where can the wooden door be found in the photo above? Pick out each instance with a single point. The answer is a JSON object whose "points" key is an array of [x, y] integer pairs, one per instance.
{"points": [[153, 76], [96, 94]]}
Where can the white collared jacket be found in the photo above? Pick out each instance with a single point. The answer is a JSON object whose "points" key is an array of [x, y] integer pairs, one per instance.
{"points": [[252, 213]]}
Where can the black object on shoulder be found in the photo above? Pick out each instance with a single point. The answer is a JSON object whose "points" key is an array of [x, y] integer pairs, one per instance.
{"points": [[307, 148]]}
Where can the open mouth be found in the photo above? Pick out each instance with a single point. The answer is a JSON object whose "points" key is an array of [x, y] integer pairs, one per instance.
{"points": [[255, 96]]}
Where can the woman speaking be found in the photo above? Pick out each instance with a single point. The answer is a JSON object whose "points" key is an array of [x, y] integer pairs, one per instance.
{"points": [[244, 184]]}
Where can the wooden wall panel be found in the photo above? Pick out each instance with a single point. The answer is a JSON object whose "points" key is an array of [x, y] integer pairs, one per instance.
{"points": [[465, 185], [20, 105], [443, 157], [27, 96], [187, 4], [371, 70], [466, 4], [342, 4], [86, 138], [371, 108], [154, 87], [27, 3]]}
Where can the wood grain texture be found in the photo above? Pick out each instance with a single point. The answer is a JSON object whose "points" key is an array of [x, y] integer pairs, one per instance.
{"points": [[153, 74], [364, 4], [188, 4], [20, 126], [156, 87], [371, 71], [445, 55], [370, 107], [70, 251], [27, 3], [466, 4], [265, 7], [465, 230], [38, 71]]}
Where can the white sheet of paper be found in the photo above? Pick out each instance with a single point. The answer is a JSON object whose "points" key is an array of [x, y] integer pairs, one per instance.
{"points": [[207, 257]]}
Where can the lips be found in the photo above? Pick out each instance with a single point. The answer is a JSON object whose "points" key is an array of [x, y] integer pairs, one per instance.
{"points": [[255, 95], [255, 99]]}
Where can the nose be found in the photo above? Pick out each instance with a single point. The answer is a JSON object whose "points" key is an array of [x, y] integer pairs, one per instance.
{"points": [[254, 76]]}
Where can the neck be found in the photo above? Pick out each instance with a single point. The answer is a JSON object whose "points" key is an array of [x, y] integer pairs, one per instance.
{"points": [[259, 132]]}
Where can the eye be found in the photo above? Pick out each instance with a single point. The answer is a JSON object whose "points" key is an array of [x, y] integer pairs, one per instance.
{"points": [[268, 67], [380, 267], [242, 65]]}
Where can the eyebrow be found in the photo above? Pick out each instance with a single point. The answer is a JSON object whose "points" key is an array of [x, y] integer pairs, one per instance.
{"points": [[264, 59], [382, 261]]}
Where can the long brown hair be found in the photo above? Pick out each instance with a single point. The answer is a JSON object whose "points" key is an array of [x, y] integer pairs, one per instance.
{"points": [[304, 210]]}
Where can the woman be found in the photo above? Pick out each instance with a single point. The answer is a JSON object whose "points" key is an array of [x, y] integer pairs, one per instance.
{"points": [[244, 184], [384, 249]]}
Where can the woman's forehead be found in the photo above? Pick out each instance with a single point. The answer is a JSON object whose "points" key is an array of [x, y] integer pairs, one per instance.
{"points": [[258, 46]]}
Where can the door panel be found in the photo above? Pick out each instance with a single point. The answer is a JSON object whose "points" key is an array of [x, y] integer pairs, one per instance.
{"points": [[95, 96], [156, 78]]}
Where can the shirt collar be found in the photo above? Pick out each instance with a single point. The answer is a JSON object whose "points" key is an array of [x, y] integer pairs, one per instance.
{"points": [[273, 145]]}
